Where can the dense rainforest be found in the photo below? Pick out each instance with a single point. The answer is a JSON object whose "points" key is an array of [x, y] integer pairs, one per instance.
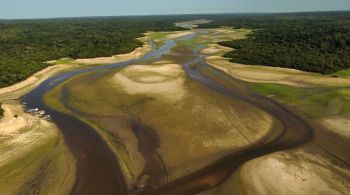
{"points": [[315, 42], [26, 44]]}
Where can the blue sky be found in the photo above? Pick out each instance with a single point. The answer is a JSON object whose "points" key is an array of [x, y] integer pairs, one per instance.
{"points": [[69, 8]]}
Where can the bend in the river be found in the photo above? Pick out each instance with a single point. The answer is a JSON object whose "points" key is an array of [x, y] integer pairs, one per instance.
{"points": [[98, 170]]}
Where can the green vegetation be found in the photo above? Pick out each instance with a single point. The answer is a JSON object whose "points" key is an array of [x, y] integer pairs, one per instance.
{"points": [[27, 44], [188, 42], [342, 73], [47, 168], [64, 61], [316, 102], [158, 35], [315, 42], [286, 93]]}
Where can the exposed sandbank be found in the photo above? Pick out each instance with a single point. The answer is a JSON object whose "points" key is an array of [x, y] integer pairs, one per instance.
{"points": [[265, 74]]}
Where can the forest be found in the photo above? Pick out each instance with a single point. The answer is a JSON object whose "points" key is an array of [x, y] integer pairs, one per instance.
{"points": [[316, 42], [27, 44]]}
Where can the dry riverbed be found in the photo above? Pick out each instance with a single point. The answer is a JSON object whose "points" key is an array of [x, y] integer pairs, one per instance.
{"points": [[144, 110], [138, 112], [163, 125], [33, 156], [320, 167]]}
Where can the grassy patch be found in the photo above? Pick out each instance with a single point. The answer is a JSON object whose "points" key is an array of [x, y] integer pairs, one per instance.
{"points": [[158, 35], [342, 73], [65, 61], [188, 42], [317, 102], [282, 92]]}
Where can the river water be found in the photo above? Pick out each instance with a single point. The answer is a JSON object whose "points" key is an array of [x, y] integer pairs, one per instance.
{"points": [[98, 171]]}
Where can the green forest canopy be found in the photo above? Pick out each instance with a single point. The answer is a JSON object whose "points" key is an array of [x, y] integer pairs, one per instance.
{"points": [[317, 42], [26, 44]]}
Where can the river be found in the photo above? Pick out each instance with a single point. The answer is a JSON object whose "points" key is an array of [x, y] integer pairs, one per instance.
{"points": [[98, 171]]}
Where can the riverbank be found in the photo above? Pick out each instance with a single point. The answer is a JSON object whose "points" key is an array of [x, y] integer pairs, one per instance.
{"points": [[33, 157], [34, 147], [138, 108], [138, 52], [325, 100], [142, 111]]}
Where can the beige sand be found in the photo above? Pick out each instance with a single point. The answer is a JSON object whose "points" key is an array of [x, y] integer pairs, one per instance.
{"points": [[163, 62], [230, 130], [36, 79], [338, 124], [179, 34], [20, 134], [205, 138], [117, 58], [215, 48], [265, 74], [192, 24], [296, 172], [33, 158], [156, 80], [19, 89]]}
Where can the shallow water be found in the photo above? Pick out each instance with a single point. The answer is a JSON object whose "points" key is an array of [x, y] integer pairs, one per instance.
{"points": [[98, 170]]}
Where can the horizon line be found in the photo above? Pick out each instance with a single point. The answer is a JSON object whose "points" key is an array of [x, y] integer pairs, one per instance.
{"points": [[184, 14]]}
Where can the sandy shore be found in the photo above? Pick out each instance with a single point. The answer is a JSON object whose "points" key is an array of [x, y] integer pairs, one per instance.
{"points": [[28, 159], [12, 123], [215, 48], [18, 89], [117, 58], [319, 167], [276, 75], [179, 34], [23, 135], [291, 172], [338, 124]]}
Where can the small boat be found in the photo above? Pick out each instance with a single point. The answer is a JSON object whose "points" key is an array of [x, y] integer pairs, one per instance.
{"points": [[47, 117], [32, 110]]}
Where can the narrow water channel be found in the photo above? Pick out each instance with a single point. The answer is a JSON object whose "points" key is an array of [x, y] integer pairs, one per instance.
{"points": [[98, 171]]}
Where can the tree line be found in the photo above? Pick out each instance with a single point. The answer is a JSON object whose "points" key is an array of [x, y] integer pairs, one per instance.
{"points": [[316, 42], [26, 45]]}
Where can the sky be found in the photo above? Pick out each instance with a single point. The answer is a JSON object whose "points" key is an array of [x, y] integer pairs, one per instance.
{"points": [[15, 9]]}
